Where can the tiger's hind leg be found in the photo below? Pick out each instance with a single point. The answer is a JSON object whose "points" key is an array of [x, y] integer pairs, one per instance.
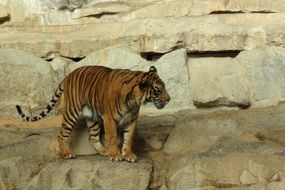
{"points": [[65, 132], [94, 136]]}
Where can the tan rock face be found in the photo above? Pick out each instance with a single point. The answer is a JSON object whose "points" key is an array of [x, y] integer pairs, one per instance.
{"points": [[210, 150], [205, 33], [215, 57], [192, 82], [25, 79]]}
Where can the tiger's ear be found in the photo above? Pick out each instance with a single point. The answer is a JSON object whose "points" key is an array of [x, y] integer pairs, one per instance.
{"points": [[152, 69], [144, 84]]}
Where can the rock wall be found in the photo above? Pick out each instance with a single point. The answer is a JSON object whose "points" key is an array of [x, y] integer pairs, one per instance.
{"points": [[210, 53], [224, 54]]}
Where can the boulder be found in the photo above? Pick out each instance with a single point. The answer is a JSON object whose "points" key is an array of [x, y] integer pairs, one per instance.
{"points": [[25, 79], [264, 71], [92, 173], [217, 82]]}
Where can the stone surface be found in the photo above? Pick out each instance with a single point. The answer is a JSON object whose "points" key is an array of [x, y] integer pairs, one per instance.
{"points": [[194, 7], [216, 149], [264, 69], [4, 15], [25, 79], [90, 173], [218, 82], [206, 33], [221, 55], [247, 178], [186, 137], [253, 78]]}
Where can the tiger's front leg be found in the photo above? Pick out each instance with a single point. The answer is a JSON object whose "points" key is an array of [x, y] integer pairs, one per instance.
{"points": [[127, 152], [112, 139]]}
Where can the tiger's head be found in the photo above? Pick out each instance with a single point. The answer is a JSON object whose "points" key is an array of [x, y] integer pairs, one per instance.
{"points": [[154, 88]]}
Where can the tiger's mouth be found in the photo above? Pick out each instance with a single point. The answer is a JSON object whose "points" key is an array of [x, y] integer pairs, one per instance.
{"points": [[160, 105]]}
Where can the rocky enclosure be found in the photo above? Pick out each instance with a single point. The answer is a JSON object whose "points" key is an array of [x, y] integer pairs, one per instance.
{"points": [[223, 63]]}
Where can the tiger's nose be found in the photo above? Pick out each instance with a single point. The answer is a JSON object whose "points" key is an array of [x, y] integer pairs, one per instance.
{"points": [[167, 99]]}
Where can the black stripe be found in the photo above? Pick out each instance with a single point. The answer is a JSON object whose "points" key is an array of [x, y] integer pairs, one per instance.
{"points": [[64, 136], [49, 108], [56, 95], [42, 114], [69, 120], [94, 135], [125, 131]]}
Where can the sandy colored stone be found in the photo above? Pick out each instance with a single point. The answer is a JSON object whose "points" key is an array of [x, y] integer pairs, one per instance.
{"points": [[90, 173], [263, 68], [275, 185], [205, 7], [201, 136], [205, 33], [25, 79], [15, 173], [247, 178], [261, 170], [217, 82], [4, 15]]}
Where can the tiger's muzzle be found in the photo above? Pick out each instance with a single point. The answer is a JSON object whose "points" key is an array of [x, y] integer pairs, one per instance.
{"points": [[161, 104]]}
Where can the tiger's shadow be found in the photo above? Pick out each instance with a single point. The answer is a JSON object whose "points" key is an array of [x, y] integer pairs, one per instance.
{"points": [[147, 138]]}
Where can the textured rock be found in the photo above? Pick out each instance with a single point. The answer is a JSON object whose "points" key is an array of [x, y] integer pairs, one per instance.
{"points": [[188, 172], [211, 150], [172, 68], [205, 33], [275, 185], [200, 136], [4, 15], [29, 79], [259, 169], [101, 9], [218, 82], [223, 171], [90, 174], [15, 173], [247, 178], [264, 69], [254, 77], [194, 7]]}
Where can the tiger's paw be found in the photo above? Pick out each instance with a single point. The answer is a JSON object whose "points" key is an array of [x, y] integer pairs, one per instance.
{"points": [[115, 156], [69, 156], [100, 149], [130, 157]]}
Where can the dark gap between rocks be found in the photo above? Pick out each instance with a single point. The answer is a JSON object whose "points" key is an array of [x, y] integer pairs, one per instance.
{"points": [[75, 59], [225, 53], [5, 19], [263, 12], [241, 12], [151, 56], [99, 15], [221, 102], [226, 12]]}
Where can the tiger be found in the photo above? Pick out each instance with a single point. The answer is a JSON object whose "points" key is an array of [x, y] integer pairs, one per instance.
{"points": [[106, 99]]}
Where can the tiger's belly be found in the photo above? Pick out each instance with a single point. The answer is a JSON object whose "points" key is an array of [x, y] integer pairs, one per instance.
{"points": [[88, 113]]}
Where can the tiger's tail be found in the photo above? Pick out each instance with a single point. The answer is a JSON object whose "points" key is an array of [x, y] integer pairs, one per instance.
{"points": [[46, 111]]}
